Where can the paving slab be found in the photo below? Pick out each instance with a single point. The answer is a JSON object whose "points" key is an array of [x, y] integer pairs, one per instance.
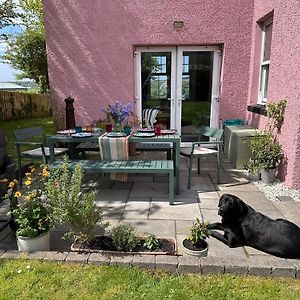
{"points": [[55, 255], [188, 264], [143, 189], [163, 211], [123, 260], [136, 210], [99, 259], [167, 263], [144, 261]]}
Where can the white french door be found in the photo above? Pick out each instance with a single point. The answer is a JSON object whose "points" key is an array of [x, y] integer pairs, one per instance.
{"points": [[181, 84]]}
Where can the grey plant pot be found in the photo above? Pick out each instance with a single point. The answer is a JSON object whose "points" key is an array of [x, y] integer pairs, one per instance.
{"points": [[198, 253], [268, 175]]}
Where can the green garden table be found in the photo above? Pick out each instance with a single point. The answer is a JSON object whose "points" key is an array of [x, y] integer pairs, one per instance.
{"points": [[166, 138]]}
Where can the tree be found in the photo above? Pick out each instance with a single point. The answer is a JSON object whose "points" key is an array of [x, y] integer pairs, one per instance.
{"points": [[7, 13], [26, 51]]}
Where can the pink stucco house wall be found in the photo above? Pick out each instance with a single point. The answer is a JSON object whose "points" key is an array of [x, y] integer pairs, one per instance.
{"points": [[91, 46]]}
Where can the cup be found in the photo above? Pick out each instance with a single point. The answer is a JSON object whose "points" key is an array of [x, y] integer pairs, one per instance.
{"points": [[127, 130], [108, 127], [78, 129], [157, 130]]}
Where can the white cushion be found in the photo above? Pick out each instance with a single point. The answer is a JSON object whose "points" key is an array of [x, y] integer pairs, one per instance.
{"points": [[38, 151], [198, 151]]}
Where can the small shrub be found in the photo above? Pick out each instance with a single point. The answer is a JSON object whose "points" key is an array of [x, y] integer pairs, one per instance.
{"points": [[199, 232], [151, 242], [124, 237]]}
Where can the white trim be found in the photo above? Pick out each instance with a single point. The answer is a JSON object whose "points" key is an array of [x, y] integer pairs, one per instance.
{"points": [[176, 81], [262, 73]]}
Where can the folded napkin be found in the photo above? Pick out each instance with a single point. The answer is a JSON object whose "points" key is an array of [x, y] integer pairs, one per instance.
{"points": [[114, 148]]}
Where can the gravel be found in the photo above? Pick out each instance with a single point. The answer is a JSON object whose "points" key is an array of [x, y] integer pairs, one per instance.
{"points": [[271, 191]]}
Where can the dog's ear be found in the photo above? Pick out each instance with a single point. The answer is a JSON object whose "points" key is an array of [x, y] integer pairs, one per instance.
{"points": [[240, 208]]}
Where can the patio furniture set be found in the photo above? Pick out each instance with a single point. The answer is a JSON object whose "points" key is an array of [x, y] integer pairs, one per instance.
{"points": [[169, 142]]}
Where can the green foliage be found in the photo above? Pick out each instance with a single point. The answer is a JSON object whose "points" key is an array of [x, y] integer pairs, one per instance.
{"points": [[275, 111], [10, 126], [266, 152], [29, 209], [198, 232], [69, 204], [26, 51], [7, 13], [151, 242], [124, 237]]}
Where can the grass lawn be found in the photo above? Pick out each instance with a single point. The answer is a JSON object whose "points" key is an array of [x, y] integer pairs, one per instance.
{"points": [[27, 279], [9, 126]]}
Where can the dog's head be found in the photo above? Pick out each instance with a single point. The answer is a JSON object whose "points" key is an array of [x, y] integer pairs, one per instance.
{"points": [[231, 208]]}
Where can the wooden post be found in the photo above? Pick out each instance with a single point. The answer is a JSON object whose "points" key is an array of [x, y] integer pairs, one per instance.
{"points": [[70, 117]]}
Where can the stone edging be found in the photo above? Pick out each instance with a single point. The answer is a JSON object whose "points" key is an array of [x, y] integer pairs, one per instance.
{"points": [[259, 266]]}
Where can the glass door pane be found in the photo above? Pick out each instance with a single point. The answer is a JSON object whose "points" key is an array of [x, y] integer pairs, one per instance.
{"points": [[156, 88], [196, 78]]}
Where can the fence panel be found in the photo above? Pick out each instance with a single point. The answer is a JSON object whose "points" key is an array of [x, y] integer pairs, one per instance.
{"points": [[16, 105]]}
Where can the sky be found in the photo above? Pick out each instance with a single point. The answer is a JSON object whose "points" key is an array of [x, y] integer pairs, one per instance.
{"points": [[7, 73]]}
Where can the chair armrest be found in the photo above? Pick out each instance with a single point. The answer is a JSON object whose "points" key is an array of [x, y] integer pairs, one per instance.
{"points": [[29, 143]]}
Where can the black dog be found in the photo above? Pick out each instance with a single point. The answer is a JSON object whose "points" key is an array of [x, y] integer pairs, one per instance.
{"points": [[243, 226]]}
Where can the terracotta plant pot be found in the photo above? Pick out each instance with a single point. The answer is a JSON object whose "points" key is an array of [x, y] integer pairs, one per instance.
{"points": [[189, 248]]}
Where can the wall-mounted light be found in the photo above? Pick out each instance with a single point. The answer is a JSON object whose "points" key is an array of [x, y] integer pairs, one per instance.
{"points": [[178, 24]]}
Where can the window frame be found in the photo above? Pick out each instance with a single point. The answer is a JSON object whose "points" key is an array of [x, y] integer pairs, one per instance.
{"points": [[263, 65]]}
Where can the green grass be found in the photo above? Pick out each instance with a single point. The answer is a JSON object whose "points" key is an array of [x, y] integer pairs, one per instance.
{"points": [[24, 279], [9, 126]]}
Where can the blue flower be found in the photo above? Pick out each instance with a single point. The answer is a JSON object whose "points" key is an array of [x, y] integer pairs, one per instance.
{"points": [[119, 112]]}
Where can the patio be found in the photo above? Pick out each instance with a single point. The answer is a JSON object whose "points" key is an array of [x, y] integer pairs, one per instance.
{"points": [[143, 203]]}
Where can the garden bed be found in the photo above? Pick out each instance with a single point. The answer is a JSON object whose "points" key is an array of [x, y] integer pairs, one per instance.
{"points": [[103, 244]]}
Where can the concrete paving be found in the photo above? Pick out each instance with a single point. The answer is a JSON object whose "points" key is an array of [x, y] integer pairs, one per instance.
{"points": [[143, 203]]}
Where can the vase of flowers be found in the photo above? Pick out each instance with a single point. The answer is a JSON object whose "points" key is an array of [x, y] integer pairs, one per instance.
{"points": [[119, 113], [31, 214]]}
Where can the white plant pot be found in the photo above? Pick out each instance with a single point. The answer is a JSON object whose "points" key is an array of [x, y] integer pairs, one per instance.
{"points": [[268, 175], [39, 243], [198, 253]]}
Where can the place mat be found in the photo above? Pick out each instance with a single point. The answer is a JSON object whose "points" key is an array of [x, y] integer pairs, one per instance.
{"points": [[82, 134], [66, 132], [144, 134], [145, 130], [167, 131], [116, 134]]}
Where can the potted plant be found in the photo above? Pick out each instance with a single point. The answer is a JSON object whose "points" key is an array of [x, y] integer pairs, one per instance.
{"points": [[31, 215], [195, 244], [266, 154]]}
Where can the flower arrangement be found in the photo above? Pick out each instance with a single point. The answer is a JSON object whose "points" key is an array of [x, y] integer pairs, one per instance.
{"points": [[119, 112], [28, 208]]}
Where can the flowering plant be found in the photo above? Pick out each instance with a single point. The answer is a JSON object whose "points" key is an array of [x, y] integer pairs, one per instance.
{"points": [[28, 208], [119, 112]]}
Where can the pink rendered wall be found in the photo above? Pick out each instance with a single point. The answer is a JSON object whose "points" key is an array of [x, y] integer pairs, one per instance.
{"points": [[90, 47], [284, 80]]}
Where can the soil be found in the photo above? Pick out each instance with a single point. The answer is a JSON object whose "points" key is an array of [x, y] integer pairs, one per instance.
{"points": [[104, 244], [195, 247]]}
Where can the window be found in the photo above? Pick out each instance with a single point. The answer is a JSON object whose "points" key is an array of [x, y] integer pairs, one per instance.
{"points": [[265, 61]]}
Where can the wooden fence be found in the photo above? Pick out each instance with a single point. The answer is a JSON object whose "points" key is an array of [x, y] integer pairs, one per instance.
{"points": [[16, 105]]}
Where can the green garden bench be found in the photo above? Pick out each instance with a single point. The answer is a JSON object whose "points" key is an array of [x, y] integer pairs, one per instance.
{"points": [[127, 166]]}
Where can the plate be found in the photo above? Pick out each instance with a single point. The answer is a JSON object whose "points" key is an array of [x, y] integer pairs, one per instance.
{"points": [[82, 134], [66, 132], [144, 134], [167, 131], [150, 130], [116, 134]]}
